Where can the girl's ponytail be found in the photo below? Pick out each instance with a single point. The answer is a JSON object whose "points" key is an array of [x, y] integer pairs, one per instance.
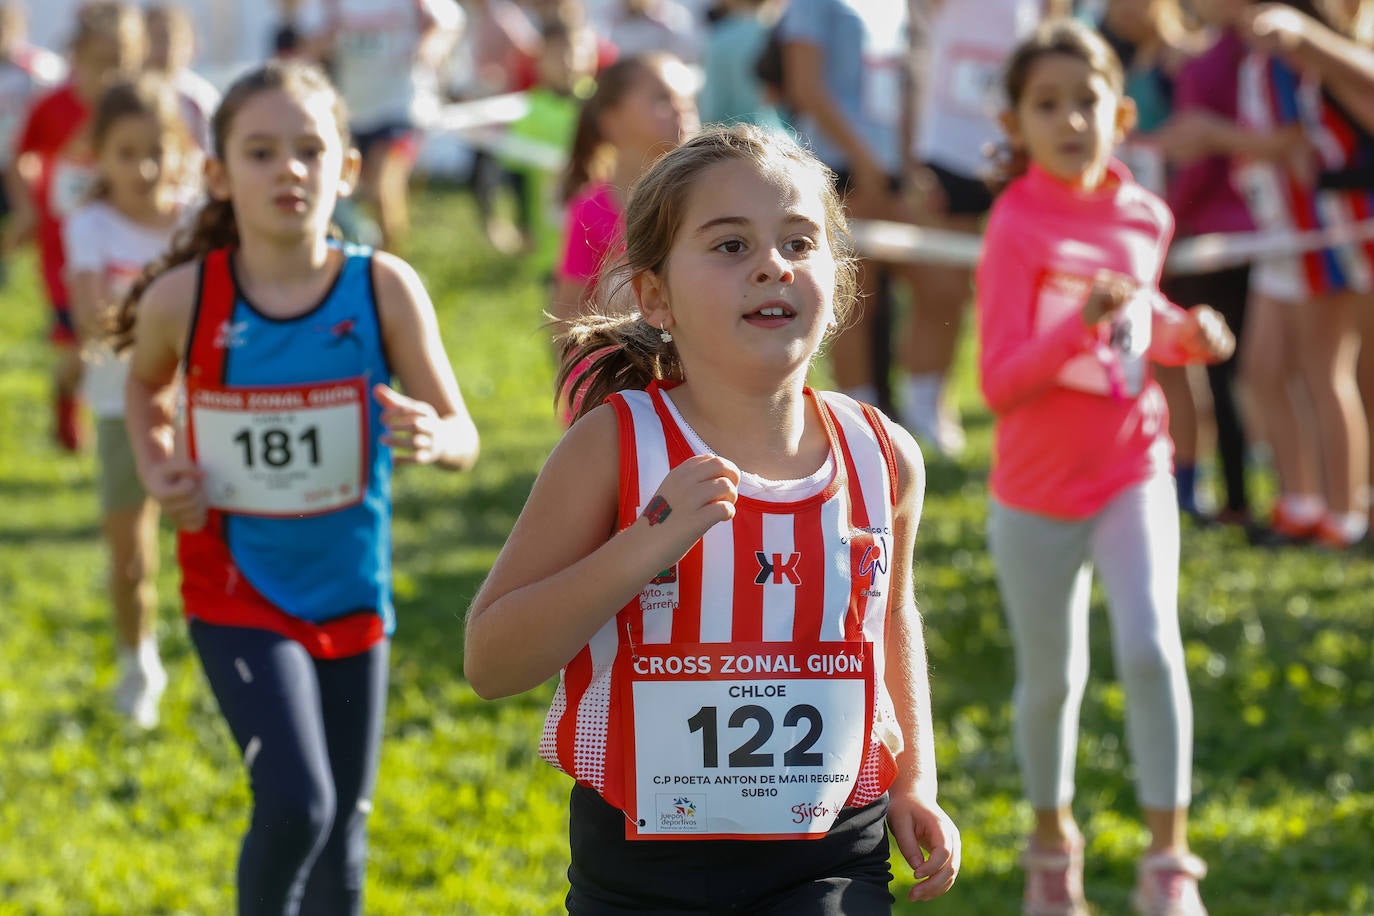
{"points": [[214, 227], [603, 354]]}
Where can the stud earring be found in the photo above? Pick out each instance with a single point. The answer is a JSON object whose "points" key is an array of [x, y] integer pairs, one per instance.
{"points": [[664, 336]]}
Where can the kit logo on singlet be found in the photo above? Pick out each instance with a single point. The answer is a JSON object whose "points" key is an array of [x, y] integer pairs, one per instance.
{"points": [[230, 335], [872, 564], [347, 329], [776, 567], [684, 813], [661, 592]]}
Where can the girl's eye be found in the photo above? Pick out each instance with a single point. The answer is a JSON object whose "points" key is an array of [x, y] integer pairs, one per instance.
{"points": [[802, 245], [311, 152], [731, 246], [259, 154]]}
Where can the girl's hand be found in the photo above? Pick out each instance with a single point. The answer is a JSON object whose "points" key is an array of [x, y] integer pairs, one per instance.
{"points": [[1110, 292], [928, 840], [1206, 335], [1273, 28], [696, 495], [413, 428], [175, 485]]}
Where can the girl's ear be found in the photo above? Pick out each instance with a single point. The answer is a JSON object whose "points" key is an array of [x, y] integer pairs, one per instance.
{"points": [[216, 178], [1126, 117], [653, 299], [352, 168]]}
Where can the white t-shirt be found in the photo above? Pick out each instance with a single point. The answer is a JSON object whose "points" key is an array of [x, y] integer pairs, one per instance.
{"points": [[376, 64], [98, 238], [961, 96]]}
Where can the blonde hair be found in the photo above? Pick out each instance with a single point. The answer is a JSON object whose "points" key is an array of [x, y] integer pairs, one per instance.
{"points": [[622, 351]]}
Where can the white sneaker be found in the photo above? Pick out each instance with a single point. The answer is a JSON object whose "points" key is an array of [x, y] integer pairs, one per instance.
{"points": [[138, 693]]}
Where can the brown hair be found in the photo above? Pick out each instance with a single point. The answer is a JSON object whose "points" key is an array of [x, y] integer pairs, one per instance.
{"points": [[215, 226], [605, 353], [587, 160], [1059, 36], [145, 97], [121, 22]]}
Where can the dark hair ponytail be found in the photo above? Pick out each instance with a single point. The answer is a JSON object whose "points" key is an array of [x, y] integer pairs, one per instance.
{"points": [[586, 159], [603, 354], [214, 227]]}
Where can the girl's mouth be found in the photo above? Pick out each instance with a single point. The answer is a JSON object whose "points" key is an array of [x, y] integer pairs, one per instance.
{"points": [[771, 315]]}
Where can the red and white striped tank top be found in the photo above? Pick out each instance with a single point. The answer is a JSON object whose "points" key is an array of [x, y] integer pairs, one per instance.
{"points": [[813, 570]]}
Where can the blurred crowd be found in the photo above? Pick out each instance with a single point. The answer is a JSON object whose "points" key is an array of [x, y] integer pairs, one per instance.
{"points": [[902, 100]]}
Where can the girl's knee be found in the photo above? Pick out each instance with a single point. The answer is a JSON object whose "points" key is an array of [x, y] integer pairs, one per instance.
{"points": [[294, 821]]}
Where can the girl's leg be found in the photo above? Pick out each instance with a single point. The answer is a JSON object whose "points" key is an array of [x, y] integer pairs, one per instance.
{"points": [[1228, 294], [1185, 423], [353, 698], [131, 534], [940, 296], [392, 193], [268, 691], [129, 520], [1328, 347], [1044, 582], [1135, 546], [1269, 373], [851, 352]]}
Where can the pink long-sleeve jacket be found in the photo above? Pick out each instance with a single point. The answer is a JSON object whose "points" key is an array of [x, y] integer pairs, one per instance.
{"points": [[1078, 414]]}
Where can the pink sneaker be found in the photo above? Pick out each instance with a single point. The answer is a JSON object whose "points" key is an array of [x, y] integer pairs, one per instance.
{"points": [[1166, 885], [1054, 882]]}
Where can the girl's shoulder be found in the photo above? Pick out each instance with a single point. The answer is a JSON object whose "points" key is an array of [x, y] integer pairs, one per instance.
{"points": [[900, 452]]}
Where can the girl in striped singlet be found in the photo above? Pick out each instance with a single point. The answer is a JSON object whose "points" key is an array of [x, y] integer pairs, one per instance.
{"points": [[717, 560]]}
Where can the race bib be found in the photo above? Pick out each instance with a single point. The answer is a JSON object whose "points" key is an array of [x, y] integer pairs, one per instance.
{"points": [[745, 741], [281, 452], [1116, 368]]}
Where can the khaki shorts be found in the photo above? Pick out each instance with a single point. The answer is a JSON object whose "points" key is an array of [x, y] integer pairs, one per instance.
{"points": [[120, 487]]}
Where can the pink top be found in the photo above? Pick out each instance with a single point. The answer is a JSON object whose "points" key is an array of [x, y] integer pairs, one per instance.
{"points": [[1079, 415], [594, 232]]}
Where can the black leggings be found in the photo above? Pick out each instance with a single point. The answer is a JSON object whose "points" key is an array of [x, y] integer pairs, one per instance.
{"points": [[844, 872], [310, 733], [1227, 291]]}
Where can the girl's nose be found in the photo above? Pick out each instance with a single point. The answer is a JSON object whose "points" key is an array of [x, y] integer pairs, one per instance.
{"points": [[775, 267], [1078, 120]]}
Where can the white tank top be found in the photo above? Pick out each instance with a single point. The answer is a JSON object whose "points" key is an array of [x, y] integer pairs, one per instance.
{"points": [[962, 93]]}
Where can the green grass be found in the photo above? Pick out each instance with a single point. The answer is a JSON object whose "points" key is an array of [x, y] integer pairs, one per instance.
{"points": [[98, 818]]}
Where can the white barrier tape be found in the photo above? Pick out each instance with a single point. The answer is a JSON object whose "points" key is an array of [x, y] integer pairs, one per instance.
{"points": [[902, 242], [491, 111]]}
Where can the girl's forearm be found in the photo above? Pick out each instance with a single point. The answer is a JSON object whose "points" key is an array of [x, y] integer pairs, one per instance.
{"points": [[908, 684], [524, 637], [150, 417]]}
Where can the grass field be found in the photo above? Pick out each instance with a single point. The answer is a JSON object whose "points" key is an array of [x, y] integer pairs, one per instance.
{"points": [[96, 818]]}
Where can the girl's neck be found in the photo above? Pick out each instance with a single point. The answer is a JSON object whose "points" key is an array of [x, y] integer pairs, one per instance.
{"points": [[771, 433], [283, 279], [629, 165]]}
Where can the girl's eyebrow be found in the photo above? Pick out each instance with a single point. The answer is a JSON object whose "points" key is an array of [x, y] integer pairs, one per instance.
{"points": [[744, 221]]}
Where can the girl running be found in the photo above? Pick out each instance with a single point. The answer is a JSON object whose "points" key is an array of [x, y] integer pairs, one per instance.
{"points": [[55, 163], [642, 107], [1069, 318], [281, 484], [729, 556], [140, 146]]}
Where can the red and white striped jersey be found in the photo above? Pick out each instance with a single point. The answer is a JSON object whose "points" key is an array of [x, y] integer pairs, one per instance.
{"points": [[813, 570]]}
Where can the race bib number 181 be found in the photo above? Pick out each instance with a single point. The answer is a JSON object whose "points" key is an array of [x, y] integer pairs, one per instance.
{"points": [[289, 451]]}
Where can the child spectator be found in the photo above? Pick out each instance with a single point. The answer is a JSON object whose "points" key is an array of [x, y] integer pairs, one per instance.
{"points": [[1069, 319], [55, 162]]}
